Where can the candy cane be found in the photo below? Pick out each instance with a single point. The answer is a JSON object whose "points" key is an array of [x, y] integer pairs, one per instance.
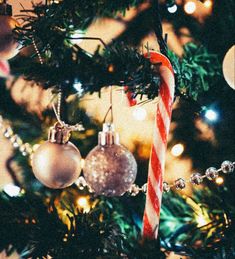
{"points": [[159, 145]]}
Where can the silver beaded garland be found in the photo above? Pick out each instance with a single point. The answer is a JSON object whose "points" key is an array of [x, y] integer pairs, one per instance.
{"points": [[134, 190], [144, 188], [227, 167], [7, 132], [180, 184], [81, 183], [166, 187], [196, 179], [211, 173]]}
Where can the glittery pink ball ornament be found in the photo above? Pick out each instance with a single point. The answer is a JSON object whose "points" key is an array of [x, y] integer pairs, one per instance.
{"points": [[57, 162], [110, 168]]}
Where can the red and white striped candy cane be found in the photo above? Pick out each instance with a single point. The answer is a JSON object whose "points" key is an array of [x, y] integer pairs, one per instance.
{"points": [[159, 145]]}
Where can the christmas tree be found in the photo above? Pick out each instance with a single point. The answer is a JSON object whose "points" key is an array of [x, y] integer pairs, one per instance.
{"points": [[74, 74]]}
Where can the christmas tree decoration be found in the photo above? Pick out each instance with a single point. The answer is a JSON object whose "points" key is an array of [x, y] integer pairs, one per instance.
{"points": [[166, 187], [8, 43], [110, 169], [229, 67], [197, 209], [180, 184], [212, 173], [227, 167], [158, 152], [196, 179], [190, 7], [57, 162]]}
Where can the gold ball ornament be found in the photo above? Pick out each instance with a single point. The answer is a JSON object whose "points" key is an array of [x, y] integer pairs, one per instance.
{"points": [[8, 43], [57, 162], [229, 67]]}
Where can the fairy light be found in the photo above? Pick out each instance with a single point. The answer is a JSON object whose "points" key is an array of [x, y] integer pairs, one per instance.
{"points": [[83, 203], [219, 180], [177, 150], [190, 7], [208, 3], [172, 9], [202, 219], [211, 115]]}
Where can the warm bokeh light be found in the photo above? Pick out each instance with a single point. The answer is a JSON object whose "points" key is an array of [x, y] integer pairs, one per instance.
{"points": [[208, 3], [139, 113], [190, 7], [177, 150], [83, 204], [202, 220], [219, 180]]}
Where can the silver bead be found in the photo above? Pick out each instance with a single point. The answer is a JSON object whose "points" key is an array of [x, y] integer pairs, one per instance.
{"points": [[166, 187], [81, 183], [212, 173], [144, 188], [134, 190], [196, 179], [8, 132], [180, 184], [26, 149], [16, 141], [227, 167]]}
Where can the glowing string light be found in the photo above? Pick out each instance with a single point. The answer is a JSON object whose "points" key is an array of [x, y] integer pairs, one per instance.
{"points": [[177, 150], [190, 7], [172, 9]]}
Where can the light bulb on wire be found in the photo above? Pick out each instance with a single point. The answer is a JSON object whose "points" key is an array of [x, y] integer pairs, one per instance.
{"points": [[172, 9], [219, 180], [207, 3], [171, 6], [177, 150], [211, 115], [190, 7]]}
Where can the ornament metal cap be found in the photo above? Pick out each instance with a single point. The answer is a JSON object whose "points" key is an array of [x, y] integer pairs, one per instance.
{"points": [[108, 136], [59, 134]]}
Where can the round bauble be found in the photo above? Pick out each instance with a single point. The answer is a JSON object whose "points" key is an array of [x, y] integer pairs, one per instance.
{"points": [[110, 168], [56, 165], [229, 67], [8, 43]]}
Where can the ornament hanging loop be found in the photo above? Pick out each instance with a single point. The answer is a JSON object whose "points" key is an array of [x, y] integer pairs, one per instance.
{"points": [[110, 109], [57, 111]]}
